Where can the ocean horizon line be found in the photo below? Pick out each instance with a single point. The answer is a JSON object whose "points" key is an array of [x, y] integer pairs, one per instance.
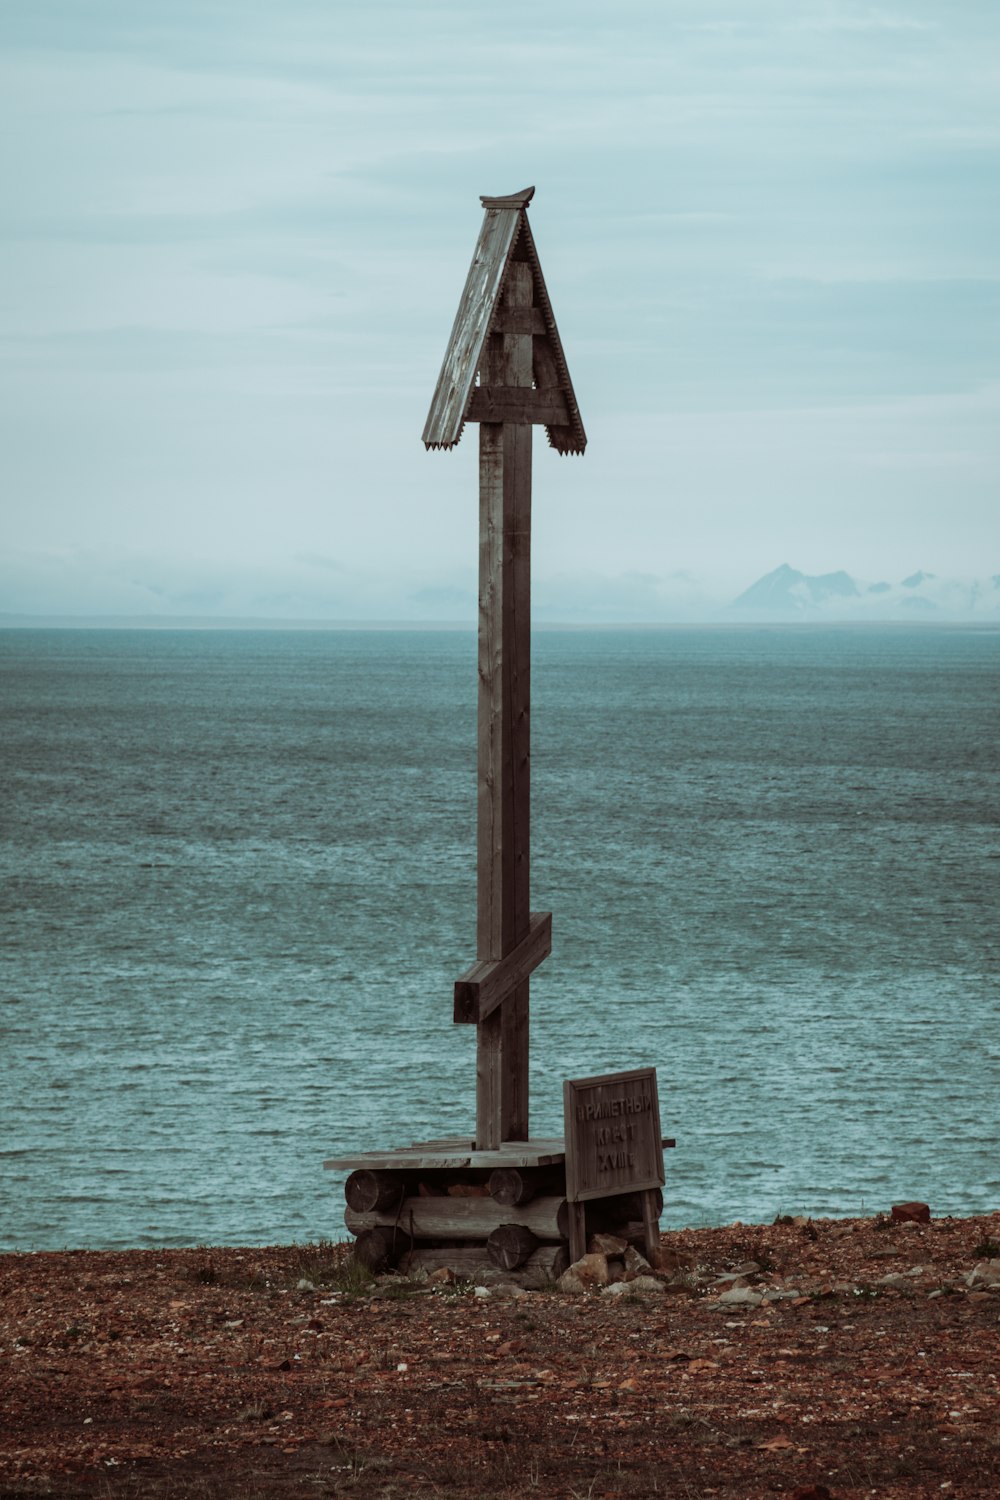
{"points": [[738, 620]]}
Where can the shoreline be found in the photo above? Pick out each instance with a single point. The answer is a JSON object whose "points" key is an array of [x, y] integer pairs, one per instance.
{"points": [[814, 1357]]}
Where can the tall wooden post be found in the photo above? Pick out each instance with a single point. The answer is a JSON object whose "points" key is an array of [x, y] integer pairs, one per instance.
{"points": [[504, 766], [505, 333], [504, 368]]}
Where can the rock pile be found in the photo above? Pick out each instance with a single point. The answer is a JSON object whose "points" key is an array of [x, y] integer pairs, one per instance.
{"points": [[615, 1266]]}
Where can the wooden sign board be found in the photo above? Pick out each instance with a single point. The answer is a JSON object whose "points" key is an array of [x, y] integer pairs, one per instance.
{"points": [[613, 1141]]}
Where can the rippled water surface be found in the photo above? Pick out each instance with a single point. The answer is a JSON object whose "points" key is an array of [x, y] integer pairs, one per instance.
{"points": [[239, 882]]}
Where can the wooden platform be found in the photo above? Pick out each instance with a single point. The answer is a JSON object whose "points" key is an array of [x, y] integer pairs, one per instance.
{"points": [[453, 1155], [500, 1207]]}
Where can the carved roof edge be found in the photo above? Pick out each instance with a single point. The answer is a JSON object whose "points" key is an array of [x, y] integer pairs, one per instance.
{"points": [[513, 200]]}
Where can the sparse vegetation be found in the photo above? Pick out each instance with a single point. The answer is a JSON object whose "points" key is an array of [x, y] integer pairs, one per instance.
{"points": [[323, 1264]]}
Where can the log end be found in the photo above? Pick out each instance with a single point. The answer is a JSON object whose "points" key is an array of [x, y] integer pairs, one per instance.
{"points": [[510, 1245]]}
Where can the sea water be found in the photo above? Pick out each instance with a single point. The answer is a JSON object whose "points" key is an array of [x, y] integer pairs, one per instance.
{"points": [[239, 883]]}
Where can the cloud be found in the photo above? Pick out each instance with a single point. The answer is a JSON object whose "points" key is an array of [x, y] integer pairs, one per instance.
{"points": [[318, 560], [235, 240]]}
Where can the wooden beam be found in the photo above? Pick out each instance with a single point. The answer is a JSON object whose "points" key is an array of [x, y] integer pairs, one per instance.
{"points": [[503, 915], [499, 403], [461, 1218], [546, 371], [519, 320], [453, 1155], [650, 1224], [464, 353], [577, 1231], [470, 1261], [488, 983], [493, 773]]}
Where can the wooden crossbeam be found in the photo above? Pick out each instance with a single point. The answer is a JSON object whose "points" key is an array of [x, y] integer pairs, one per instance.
{"points": [[487, 983], [519, 320], [511, 403]]}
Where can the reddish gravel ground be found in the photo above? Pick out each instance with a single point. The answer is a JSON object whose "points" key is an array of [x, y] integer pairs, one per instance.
{"points": [[222, 1373]]}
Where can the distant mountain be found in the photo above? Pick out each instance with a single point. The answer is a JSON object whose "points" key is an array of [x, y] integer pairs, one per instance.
{"points": [[788, 594], [788, 591]]}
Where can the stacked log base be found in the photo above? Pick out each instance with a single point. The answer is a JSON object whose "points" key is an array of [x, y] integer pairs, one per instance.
{"points": [[467, 1262], [448, 1205]]}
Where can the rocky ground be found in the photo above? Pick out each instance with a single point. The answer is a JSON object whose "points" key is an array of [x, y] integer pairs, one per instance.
{"points": [[840, 1358]]}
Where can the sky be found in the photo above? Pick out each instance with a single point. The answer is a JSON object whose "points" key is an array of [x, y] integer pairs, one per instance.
{"points": [[235, 232]]}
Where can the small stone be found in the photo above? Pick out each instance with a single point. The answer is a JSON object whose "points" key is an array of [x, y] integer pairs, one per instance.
{"points": [[911, 1213], [644, 1286], [896, 1283], [741, 1296], [591, 1270], [304, 1285], [984, 1273], [635, 1263], [748, 1268], [570, 1282], [607, 1244], [481, 1291]]}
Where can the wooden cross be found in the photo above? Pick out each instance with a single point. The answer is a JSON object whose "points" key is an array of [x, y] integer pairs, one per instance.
{"points": [[505, 369]]}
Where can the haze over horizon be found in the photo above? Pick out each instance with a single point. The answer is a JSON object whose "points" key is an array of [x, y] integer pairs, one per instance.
{"points": [[236, 237]]}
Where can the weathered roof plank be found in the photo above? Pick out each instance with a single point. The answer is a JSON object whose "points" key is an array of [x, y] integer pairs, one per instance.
{"points": [[479, 299]]}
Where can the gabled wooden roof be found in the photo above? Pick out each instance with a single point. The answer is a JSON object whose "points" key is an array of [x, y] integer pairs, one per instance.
{"points": [[504, 237]]}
